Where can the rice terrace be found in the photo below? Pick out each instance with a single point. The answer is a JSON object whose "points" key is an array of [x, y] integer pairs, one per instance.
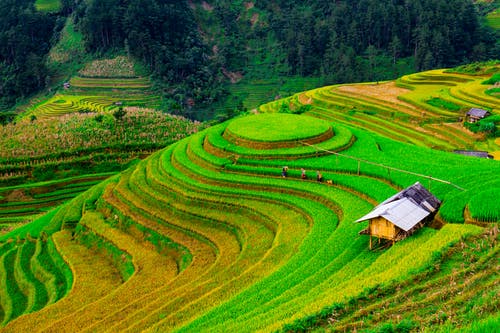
{"points": [[349, 207], [206, 235]]}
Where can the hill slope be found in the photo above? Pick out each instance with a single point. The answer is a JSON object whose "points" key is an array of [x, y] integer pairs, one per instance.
{"points": [[207, 235], [425, 109], [102, 85]]}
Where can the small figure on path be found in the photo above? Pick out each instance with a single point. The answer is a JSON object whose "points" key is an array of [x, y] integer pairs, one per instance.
{"points": [[284, 171], [319, 176], [303, 173]]}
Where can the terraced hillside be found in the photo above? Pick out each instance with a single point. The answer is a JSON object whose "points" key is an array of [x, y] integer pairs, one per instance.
{"points": [[456, 287], [34, 275], [425, 109], [101, 86], [206, 234], [101, 121], [44, 162], [21, 204], [253, 93]]}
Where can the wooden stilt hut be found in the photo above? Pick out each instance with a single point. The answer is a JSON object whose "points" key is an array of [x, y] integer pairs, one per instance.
{"points": [[401, 215]]}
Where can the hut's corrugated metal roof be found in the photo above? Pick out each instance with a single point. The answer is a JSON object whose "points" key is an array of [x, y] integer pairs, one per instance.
{"points": [[419, 194], [406, 208], [478, 112], [475, 153], [404, 213], [377, 211]]}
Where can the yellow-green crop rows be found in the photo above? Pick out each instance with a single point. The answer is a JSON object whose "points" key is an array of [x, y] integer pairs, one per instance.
{"points": [[425, 109], [207, 236], [102, 86], [33, 276], [74, 152], [21, 204]]}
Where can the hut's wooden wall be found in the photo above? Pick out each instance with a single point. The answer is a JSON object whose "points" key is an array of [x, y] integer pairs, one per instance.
{"points": [[381, 228]]}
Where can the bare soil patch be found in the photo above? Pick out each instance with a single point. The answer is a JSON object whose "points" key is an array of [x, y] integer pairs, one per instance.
{"points": [[18, 196], [234, 77], [387, 91], [304, 99]]}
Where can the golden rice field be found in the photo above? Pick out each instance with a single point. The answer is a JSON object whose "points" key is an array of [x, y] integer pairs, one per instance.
{"points": [[206, 235], [403, 109]]}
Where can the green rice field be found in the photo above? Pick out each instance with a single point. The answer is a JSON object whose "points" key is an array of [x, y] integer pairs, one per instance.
{"points": [[206, 235]]}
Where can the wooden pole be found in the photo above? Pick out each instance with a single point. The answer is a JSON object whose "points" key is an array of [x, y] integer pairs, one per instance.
{"points": [[359, 166], [370, 242]]}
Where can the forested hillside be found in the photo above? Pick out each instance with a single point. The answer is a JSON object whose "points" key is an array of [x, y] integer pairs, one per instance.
{"points": [[25, 37], [355, 40], [194, 49]]}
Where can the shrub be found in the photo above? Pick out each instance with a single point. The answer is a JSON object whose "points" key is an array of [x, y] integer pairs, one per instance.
{"points": [[98, 118], [119, 114]]}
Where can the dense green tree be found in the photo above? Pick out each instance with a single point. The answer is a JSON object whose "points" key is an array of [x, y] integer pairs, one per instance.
{"points": [[24, 42], [435, 32]]}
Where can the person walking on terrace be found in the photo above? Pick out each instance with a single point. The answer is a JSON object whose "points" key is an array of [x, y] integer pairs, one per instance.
{"points": [[284, 172], [319, 177]]}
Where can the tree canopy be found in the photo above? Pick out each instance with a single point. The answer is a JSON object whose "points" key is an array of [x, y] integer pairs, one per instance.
{"points": [[24, 42], [354, 40]]}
